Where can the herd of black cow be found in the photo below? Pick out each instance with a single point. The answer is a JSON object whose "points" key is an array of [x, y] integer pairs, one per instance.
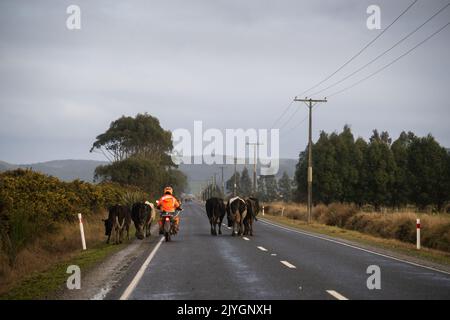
{"points": [[241, 213], [120, 217]]}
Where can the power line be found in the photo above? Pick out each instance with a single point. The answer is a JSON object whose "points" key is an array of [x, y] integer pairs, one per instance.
{"points": [[392, 62], [383, 53], [298, 124], [282, 114], [290, 118], [360, 51], [284, 133]]}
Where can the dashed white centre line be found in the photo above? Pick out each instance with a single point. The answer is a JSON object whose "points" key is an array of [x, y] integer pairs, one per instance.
{"points": [[337, 295], [289, 265], [262, 248], [246, 239]]}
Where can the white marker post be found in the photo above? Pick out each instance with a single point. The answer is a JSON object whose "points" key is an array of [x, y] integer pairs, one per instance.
{"points": [[83, 240], [418, 233], [263, 211]]}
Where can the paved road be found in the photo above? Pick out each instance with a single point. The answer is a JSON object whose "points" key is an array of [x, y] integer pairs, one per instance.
{"points": [[276, 263]]}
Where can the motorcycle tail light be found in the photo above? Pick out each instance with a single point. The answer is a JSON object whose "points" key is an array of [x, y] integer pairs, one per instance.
{"points": [[167, 219]]}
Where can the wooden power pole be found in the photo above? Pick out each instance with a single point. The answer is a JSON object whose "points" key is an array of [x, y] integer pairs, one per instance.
{"points": [[310, 103], [235, 178], [223, 181], [255, 145]]}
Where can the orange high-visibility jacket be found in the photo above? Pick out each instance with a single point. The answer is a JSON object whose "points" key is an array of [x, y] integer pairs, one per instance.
{"points": [[168, 203]]}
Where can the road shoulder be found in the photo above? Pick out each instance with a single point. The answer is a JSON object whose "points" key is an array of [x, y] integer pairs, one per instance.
{"points": [[389, 247], [103, 278]]}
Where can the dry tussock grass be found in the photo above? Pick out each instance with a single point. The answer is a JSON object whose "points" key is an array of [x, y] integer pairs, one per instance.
{"points": [[394, 225], [50, 249]]}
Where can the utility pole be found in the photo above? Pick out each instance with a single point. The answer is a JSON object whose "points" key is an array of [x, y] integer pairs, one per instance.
{"points": [[223, 181], [209, 188], [255, 145], [235, 178], [310, 103]]}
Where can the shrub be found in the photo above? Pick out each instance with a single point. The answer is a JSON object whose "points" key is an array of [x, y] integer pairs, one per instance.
{"points": [[32, 203], [338, 214], [319, 211]]}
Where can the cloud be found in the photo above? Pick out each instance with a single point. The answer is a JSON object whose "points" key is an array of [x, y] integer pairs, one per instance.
{"points": [[229, 63]]}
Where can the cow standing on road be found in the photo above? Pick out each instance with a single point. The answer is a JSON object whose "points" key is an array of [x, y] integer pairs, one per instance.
{"points": [[236, 212], [143, 214], [215, 209], [119, 219], [253, 209]]}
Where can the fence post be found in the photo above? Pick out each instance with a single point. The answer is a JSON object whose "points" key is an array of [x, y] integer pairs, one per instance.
{"points": [[418, 233], [83, 240]]}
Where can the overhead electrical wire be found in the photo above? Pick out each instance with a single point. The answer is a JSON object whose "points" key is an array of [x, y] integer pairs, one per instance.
{"points": [[379, 70], [290, 118], [392, 62], [282, 115], [360, 51], [347, 62], [383, 53], [285, 111]]}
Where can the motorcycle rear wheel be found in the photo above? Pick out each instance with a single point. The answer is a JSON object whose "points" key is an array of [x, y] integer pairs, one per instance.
{"points": [[167, 231]]}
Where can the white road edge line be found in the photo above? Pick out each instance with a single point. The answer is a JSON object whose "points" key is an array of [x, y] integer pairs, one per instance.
{"points": [[262, 248], [140, 273], [246, 239], [354, 247], [337, 295], [287, 264]]}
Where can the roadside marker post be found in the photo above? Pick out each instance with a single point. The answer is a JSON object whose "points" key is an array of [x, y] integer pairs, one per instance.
{"points": [[418, 233], [263, 211], [83, 240]]}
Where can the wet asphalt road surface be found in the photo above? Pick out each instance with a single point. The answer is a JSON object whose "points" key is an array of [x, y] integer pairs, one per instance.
{"points": [[276, 263]]}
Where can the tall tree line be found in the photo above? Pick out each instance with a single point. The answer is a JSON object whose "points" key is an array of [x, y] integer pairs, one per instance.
{"points": [[381, 172], [268, 187]]}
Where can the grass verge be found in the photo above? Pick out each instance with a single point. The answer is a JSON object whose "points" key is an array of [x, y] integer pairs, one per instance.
{"points": [[44, 285], [392, 245]]}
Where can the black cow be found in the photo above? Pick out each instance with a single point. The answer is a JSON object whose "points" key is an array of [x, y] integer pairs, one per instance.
{"points": [[215, 209], [119, 219], [236, 212], [253, 209], [143, 214]]}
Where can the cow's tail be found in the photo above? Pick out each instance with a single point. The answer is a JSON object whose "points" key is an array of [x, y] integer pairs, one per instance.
{"points": [[153, 213], [123, 222]]}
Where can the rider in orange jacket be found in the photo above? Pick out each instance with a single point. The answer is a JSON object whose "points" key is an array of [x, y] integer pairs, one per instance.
{"points": [[168, 203]]}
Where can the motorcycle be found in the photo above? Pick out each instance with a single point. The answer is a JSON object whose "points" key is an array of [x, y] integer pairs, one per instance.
{"points": [[168, 220]]}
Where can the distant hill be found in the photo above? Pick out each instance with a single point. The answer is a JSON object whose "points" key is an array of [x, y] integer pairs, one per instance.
{"points": [[198, 174], [6, 166], [66, 170]]}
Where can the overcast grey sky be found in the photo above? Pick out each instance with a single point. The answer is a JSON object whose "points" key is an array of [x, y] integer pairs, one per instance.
{"points": [[232, 64]]}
